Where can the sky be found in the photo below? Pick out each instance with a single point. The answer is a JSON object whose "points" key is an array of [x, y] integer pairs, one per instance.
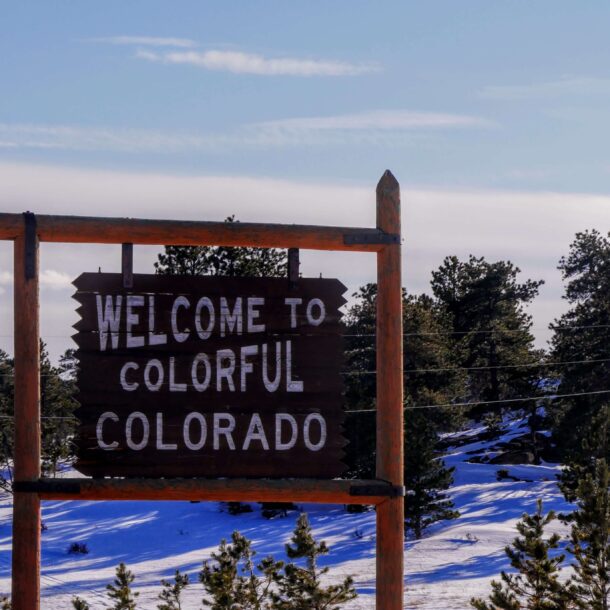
{"points": [[493, 116]]}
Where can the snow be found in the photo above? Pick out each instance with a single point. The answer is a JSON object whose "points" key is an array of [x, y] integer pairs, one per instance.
{"points": [[455, 561]]}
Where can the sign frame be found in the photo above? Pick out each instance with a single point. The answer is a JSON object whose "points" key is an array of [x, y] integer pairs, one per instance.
{"points": [[386, 491]]}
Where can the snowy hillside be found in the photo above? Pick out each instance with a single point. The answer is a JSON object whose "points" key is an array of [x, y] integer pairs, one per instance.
{"points": [[455, 560]]}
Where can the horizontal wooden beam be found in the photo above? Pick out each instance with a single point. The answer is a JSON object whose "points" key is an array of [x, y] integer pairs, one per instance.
{"points": [[215, 490], [82, 229]]}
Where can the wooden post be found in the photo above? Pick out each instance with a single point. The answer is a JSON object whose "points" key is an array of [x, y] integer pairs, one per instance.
{"points": [[293, 264], [26, 506], [127, 264], [390, 460]]}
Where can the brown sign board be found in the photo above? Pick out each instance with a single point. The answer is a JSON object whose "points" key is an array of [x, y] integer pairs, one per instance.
{"points": [[188, 376]]}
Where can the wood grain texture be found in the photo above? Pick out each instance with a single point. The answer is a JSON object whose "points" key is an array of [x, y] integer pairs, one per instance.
{"points": [[82, 229], [390, 515], [26, 508], [214, 490]]}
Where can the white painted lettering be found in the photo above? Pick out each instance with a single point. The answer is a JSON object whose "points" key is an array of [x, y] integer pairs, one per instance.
{"points": [[136, 415], [225, 372], [173, 386], [279, 444], [316, 320], [245, 366], [256, 433], [160, 444], [204, 333], [153, 337], [272, 386], [99, 429], [225, 431], [293, 302], [186, 431], [108, 320], [150, 365], [253, 314], [126, 385], [180, 336], [306, 432], [291, 384], [231, 321], [201, 386]]}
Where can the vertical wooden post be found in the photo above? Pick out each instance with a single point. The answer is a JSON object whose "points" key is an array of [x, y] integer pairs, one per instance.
{"points": [[293, 264], [127, 265], [26, 506], [390, 460]]}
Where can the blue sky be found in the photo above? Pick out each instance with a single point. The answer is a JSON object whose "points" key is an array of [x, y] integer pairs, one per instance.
{"points": [[494, 116]]}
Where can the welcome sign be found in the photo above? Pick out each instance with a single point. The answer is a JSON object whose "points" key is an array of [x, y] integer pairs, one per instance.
{"points": [[209, 377]]}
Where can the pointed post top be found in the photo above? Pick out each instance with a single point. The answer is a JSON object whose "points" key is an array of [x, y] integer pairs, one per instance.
{"points": [[388, 203], [387, 183]]}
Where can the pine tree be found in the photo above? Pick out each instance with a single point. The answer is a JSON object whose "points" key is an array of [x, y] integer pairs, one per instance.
{"points": [[171, 595], [222, 260], [301, 588], [430, 364], [581, 342], [231, 577], [536, 585], [120, 591], [590, 539], [79, 604], [426, 477], [57, 405], [491, 329]]}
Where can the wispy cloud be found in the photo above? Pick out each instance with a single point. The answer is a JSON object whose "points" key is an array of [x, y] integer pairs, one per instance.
{"points": [[568, 86], [378, 120], [239, 62], [377, 126], [49, 278], [149, 41]]}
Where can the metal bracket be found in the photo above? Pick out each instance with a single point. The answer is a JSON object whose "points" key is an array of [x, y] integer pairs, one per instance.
{"points": [[30, 245], [352, 239], [127, 265], [39, 486], [377, 489]]}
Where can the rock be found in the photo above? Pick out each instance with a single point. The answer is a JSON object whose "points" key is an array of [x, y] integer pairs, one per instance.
{"points": [[513, 457]]}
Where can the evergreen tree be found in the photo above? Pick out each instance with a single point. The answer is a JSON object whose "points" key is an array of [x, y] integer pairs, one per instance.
{"points": [[79, 604], [301, 588], [57, 411], [231, 578], [120, 592], [430, 365], [536, 585], [171, 595], [590, 537], [57, 405], [491, 329], [581, 342], [426, 477], [222, 260]]}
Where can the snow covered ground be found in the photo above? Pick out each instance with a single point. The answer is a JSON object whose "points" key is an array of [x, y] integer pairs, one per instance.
{"points": [[455, 560]]}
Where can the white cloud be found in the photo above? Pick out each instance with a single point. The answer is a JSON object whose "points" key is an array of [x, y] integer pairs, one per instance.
{"points": [[51, 278], [377, 126], [569, 86], [532, 229], [150, 41], [377, 120], [239, 62]]}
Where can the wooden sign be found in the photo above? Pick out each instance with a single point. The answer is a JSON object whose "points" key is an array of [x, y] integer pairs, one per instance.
{"points": [[186, 376]]}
